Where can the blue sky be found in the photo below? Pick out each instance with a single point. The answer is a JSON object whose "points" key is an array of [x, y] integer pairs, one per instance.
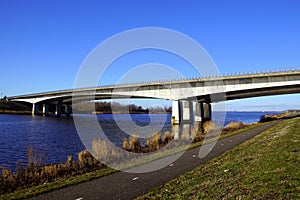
{"points": [[43, 43]]}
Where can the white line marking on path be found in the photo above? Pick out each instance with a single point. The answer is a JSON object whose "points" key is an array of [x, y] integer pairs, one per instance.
{"points": [[79, 198], [135, 178]]}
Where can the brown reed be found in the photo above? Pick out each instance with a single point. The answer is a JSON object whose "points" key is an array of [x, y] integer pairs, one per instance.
{"points": [[134, 143], [167, 137], [35, 174], [125, 144]]}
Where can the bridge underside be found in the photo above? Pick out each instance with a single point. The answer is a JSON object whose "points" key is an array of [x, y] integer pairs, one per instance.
{"points": [[259, 92], [57, 108], [250, 93]]}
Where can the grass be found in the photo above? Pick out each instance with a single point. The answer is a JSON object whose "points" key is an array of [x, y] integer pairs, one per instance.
{"points": [[265, 167]]}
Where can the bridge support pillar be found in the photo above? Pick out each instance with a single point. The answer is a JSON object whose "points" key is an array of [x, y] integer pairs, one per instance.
{"points": [[207, 112], [199, 115], [182, 111], [175, 113], [68, 110], [58, 109], [186, 111], [35, 108], [45, 109]]}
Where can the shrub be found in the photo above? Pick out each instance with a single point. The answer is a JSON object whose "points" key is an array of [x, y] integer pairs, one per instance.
{"points": [[86, 160], [167, 137], [267, 117], [233, 126]]}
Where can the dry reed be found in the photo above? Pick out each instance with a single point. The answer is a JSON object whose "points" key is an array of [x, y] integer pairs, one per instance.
{"points": [[134, 143], [167, 137], [156, 141], [36, 174], [233, 126]]}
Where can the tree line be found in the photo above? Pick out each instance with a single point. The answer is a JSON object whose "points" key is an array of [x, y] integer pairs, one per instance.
{"points": [[110, 107], [99, 107]]}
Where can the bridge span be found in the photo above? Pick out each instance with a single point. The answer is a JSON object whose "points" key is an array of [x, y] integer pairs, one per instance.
{"points": [[203, 91]]}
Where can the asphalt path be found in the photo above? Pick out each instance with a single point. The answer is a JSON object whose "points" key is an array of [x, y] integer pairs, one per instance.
{"points": [[124, 185]]}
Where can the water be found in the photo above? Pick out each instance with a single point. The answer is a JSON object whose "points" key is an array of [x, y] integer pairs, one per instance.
{"points": [[245, 117], [55, 138]]}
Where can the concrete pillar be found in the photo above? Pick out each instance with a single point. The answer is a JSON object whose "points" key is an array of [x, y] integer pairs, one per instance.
{"points": [[45, 109], [35, 109], [58, 109], [186, 111], [68, 110], [199, 115], [63, 109], [175, 113], [207, 112]]}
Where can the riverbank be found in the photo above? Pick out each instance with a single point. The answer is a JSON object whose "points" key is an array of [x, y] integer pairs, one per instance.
{"points": [[64, 178], [132, 185], [265, 167], [43, 133], [15, 112], [19, 112]]}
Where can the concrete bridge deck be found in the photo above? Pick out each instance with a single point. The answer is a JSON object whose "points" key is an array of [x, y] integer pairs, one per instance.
{"points": [[202, 90]]}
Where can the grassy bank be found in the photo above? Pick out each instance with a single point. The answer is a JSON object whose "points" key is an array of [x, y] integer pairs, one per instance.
{"points": [[265, 167]]}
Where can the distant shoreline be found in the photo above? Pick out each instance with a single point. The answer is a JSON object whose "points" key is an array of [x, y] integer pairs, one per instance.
{"points": [[15, 112], [95, 112], [124, 112]]}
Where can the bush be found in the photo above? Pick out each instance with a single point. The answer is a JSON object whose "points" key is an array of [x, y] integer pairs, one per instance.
{"points": [[36, 174], [167, 137], [233, 126], [267, 117]]}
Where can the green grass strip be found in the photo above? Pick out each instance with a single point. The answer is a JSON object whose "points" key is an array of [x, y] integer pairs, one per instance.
{"points": [[265, 167]]}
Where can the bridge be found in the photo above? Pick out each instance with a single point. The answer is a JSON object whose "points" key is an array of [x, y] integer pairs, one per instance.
{"points": [[203, 91]]}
